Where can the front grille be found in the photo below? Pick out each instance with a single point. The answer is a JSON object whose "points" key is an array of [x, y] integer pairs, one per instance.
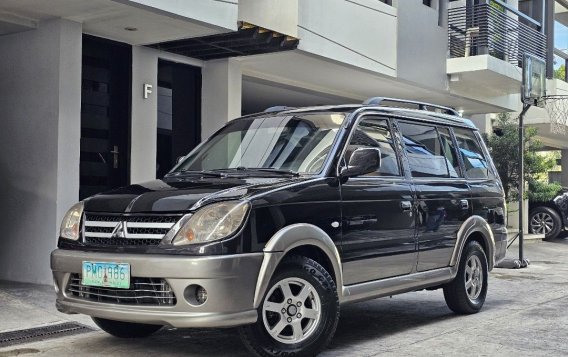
{"points": [[142, 291], [120, 229], [121, 241]]}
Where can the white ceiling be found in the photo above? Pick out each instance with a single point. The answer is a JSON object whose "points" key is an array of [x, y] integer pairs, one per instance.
{"points": [[259, 94], [300, 72], [560, 13], [105, 18]]}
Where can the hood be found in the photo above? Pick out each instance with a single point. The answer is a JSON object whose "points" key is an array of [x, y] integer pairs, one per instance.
{"points": [[178, 194]]}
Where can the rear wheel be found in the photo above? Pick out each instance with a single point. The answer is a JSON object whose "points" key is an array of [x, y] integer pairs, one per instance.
{"points": [[466, 293], [299, 313], [125, 329], [545, 220]]}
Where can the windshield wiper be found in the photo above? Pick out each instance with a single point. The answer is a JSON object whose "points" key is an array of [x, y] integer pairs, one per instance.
{"points": [[265, 169], [202, 173]]}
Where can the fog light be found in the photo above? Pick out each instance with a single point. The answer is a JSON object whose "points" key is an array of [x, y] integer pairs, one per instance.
{"points": [[201, 295], [195, 294]]}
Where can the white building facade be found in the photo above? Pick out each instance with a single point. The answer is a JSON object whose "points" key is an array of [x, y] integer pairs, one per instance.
{"points": [[96, 94]]}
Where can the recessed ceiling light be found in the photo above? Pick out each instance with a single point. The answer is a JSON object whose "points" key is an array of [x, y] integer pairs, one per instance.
{"points": [[131, 29]]}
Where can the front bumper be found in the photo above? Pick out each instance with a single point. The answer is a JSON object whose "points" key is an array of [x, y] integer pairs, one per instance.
{"points": [[230, 281]]}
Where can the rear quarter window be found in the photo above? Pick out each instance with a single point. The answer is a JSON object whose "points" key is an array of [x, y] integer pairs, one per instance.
{"points": [[476, 165]]}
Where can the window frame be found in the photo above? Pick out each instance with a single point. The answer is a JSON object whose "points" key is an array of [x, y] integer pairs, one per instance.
{"points": [[461, 171], [396, 146], [436, 126]]}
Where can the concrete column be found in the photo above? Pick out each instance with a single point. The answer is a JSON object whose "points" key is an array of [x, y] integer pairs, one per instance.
{"points": [[483, 122], [564, 168], [221, 94], [144, 115], [40, 97]]}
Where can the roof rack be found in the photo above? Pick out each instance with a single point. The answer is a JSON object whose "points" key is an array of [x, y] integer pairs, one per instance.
{"points": [[277, 108], [420, 105]]}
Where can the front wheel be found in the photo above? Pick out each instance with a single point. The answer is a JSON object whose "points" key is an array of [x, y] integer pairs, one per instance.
{"points": [[125, 329], [299, 313], [466, 293]]}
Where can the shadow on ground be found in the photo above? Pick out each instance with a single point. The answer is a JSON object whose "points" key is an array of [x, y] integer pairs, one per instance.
{"points": [[359, 323]]}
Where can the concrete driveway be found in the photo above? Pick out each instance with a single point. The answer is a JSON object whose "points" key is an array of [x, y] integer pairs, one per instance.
{"points": [[525, 314]]}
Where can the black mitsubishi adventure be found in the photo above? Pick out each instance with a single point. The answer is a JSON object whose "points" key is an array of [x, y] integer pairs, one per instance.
{"points": [[280, 218]]}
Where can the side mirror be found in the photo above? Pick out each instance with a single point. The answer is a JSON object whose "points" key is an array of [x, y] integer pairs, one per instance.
{"points": [[362, 161]]}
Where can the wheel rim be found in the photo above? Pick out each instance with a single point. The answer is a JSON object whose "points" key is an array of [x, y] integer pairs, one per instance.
{"points": [[291, 310], [473, 277], [542, 223]]}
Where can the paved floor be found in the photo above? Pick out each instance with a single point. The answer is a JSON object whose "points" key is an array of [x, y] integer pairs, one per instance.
{"points": [[525, 314]]}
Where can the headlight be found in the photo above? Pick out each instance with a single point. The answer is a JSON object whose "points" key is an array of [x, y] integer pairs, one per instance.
{"points": [[212, 222], [71, 222]]}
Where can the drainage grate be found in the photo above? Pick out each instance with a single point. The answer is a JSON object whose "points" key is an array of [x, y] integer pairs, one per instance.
{"points": [[36, 334]]}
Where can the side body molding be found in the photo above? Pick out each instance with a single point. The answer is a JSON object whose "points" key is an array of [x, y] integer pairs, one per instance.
{"points": [[288, 238], [474, 224]]}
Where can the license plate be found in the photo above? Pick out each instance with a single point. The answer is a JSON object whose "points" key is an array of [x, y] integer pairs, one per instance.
{"points": [[108, 275]]}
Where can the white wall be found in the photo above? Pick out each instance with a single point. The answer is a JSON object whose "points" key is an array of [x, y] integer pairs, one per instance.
{"points": [[222, 14], [221, 94], [144, 116], [40, 89], [361, 33], [277, 15], [422, 44]]}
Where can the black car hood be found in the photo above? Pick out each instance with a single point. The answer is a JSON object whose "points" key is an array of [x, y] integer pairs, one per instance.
{"points": [[177, 194]]}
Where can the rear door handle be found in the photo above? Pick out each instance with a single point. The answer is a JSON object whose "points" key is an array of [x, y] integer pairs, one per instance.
{"points": [[406, 206], [464, 204]]}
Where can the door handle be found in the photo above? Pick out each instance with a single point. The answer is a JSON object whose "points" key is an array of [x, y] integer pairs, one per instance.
{"points": [[405, 206], [115, 153], [464, 204]]}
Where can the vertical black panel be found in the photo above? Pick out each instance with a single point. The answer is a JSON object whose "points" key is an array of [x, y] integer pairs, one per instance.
{"points": [[179, 106], [105, 115]]}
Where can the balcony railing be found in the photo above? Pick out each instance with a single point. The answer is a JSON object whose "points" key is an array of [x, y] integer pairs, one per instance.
{"points": [[485, 29]]}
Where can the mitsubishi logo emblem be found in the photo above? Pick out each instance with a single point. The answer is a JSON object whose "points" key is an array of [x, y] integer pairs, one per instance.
{"points": [[119, 231]]}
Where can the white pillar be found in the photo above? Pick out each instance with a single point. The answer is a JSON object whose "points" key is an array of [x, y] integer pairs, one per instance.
{"points": [[483, 122], [144, 123], [564, 168], [221, 94], [40, 97]]}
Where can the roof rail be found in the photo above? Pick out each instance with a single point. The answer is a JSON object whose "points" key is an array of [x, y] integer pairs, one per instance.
{"points": [[277, 108], [420, 105]]}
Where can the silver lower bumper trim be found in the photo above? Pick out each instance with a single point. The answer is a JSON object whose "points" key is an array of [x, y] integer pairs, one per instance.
{"points": [[169, 318]]}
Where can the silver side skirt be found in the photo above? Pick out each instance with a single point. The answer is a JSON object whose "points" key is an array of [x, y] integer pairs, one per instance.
{"points": [[397, 285]]}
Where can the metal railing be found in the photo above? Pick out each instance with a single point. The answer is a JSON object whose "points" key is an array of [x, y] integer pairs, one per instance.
{"points": [[485, 29]]}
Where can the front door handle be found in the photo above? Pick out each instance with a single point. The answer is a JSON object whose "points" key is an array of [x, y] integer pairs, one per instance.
{"points": [[405, 206], [464, 204]]}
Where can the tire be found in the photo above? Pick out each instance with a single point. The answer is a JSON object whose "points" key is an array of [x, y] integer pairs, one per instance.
{"points": [[460, 298], [125, 329], [545, 220], [287, 314]]}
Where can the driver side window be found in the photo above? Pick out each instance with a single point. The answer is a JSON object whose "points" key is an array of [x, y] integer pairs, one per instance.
{"points": [[375, 133]]}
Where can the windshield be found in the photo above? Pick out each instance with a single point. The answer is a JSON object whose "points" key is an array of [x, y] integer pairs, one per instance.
{"points": [[298, 143]]}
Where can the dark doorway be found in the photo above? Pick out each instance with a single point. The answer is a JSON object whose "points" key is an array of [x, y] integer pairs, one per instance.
{"points": [[179, 113], [105, 115]]}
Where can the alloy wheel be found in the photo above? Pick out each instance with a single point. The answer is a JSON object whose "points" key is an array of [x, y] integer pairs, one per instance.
{"points": [[542, 223], [291, 310], [473, 277]]}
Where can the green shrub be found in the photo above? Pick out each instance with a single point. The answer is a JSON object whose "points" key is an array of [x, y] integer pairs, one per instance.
{"points": [[542, 192]]}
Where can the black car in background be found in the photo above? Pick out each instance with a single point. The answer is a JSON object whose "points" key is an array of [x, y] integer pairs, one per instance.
{"points": [[549, 218]]}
